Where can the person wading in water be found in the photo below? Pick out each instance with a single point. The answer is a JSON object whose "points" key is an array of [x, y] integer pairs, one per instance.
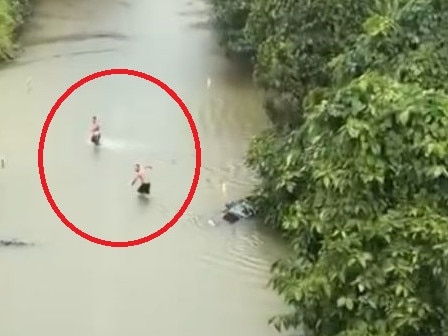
{"points": [[96, 131], [145, 185]]}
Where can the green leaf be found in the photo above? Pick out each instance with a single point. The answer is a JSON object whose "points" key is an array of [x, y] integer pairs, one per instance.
{"points": [[341, 302], [361, 288], [404, 117], [362, 262], [349, 304], [288, 159], [326, 181], [438, 171]]}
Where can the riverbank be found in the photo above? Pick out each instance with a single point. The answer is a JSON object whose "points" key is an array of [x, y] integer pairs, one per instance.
{"points": [[14, 14], [354, 164]]}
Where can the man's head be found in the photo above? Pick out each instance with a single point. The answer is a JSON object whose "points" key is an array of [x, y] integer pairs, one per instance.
{"points": [[137, 167], [94, 119]]}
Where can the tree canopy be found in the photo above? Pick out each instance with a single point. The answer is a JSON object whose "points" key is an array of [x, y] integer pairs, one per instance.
{"points": [[354, 173]]}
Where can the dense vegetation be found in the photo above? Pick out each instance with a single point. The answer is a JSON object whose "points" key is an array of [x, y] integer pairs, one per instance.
{"points": [[354, 169], [12, 16]]}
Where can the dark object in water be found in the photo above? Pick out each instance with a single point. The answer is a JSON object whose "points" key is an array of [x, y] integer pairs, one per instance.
{"points": [[96, 139], [144, 188], [236, 210], [13, 242]]}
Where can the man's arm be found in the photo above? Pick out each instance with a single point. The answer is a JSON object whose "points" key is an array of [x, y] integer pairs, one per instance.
{"points": [[134, 180], [148, 167]]}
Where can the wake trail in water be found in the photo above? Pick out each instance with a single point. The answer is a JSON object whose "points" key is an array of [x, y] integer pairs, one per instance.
{"points": [[119, 144], [122, 145]]}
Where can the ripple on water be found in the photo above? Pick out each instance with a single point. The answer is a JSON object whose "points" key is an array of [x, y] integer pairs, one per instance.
{"points": [[233, 175], [119, 145], [240, 254], [156, 156]]}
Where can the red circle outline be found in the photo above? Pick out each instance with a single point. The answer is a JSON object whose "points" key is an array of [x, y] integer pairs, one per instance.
{"points": [[197, 145]]}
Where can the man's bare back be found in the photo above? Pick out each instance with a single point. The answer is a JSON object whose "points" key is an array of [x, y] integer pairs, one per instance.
{"points": [[141, 176]]}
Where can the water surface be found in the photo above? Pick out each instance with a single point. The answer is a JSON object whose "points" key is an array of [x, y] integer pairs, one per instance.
{"points": [[198, 279]]}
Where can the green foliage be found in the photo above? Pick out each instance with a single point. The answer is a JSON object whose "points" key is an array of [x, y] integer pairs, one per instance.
{"points": [[295, 40], [356, 172], [20, 11], [230, 18], [6, 28], [381, 277], [292, 40], [12, 16], [359, 189], [405, 39]]}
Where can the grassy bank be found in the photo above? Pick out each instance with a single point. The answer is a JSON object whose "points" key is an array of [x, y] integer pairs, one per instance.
{"points": [[13, 14], [354, 172]]}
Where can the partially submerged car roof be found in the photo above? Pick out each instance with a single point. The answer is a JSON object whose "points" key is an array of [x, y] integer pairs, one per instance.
{"points": [[237, 210]]}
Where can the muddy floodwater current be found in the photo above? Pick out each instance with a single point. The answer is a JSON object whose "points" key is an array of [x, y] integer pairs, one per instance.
{"points": [[203, 277]]}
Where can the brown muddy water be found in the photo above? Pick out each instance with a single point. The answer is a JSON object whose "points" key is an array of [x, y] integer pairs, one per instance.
{"points": [[198, 278]]}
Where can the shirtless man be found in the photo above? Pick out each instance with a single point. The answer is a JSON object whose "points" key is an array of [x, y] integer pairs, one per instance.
{"points": [[145, 185], [96, 131]]}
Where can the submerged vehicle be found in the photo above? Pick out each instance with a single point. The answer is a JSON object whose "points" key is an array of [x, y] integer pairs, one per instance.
{"points": [[236, 210]]}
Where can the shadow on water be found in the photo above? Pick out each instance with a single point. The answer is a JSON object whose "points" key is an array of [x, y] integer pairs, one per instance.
{"points": [[143, 200], [96, 152]]}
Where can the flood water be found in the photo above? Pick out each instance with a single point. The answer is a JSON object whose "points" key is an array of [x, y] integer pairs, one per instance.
{"points": [[200, 278]]}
